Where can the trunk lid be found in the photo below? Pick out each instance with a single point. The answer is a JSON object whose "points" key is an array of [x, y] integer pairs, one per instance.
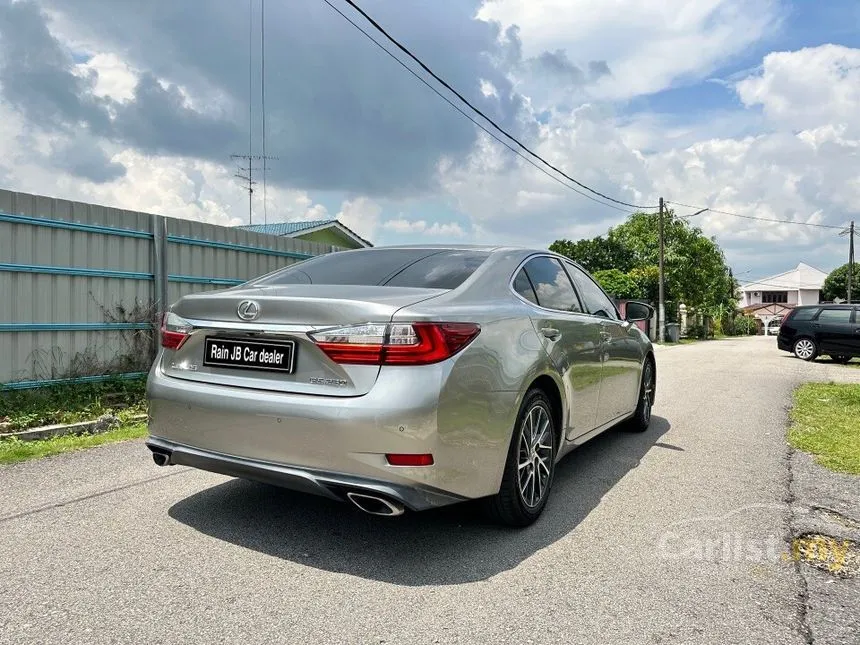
{"points": [[286, 313]]}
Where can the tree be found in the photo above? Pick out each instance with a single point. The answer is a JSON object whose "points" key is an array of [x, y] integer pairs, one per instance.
{"points": [[836, 284], [597, 254], [618, 284], [695, 267]]}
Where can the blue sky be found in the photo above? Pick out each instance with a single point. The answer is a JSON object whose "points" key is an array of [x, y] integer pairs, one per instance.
{"points": [[749, 106]]}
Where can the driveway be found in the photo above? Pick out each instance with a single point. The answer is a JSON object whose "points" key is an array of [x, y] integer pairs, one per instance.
{"points": [[674, 536]]}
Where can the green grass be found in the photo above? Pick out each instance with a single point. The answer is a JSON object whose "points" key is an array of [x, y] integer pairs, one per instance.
{"points": [[22, 409], [14, 450], [826, 423]]}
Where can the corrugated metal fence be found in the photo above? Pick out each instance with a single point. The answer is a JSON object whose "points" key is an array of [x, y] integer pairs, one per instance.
{"points": [[82, 285]]}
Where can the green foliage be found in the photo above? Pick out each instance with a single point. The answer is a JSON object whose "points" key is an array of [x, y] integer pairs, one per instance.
{"points": [[13, 450], [618, 284], [598, 254], [836, 284], [648, 280], [824, 423], [741, 326], [22, 409], [695, 331]]}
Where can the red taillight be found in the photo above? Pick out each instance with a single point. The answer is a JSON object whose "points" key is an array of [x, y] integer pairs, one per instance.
{"points": [[395, 344], [174, 331], [409, 460]]}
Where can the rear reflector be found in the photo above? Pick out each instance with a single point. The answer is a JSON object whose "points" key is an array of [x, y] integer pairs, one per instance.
{"points": [[410, 460], [417, 343]]}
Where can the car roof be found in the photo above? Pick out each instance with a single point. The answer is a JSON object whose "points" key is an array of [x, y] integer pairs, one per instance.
{"points": [[829, 305]]}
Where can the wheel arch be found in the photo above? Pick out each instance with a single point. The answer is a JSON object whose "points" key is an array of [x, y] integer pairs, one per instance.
{"points": [[546, 384]]}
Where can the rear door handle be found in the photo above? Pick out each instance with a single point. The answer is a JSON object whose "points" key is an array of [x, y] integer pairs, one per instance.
{"points": [[551, 332]]}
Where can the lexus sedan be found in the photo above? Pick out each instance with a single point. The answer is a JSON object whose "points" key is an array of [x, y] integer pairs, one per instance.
{"points": [[401, 378]]}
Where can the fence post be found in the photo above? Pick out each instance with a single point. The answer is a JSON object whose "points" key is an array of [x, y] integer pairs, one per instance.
{"points": [[160, 265]]}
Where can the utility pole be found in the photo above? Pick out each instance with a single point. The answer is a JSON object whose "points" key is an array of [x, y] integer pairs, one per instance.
{"points": [[850, 258], [661, 304]]}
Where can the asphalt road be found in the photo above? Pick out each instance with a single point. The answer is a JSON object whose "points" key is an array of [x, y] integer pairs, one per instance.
{"points": [[674, 536]]}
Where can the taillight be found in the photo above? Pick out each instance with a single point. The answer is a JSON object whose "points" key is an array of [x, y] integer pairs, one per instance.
{"points": [[174, 330], [396, 343]]}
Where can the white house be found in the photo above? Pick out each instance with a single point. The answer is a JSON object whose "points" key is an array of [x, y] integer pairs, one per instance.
{"points": [[800, 286], [770, 299]]}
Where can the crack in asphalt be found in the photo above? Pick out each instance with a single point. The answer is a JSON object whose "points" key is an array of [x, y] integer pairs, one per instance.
{"points": [[802, 604], [83, 498]]}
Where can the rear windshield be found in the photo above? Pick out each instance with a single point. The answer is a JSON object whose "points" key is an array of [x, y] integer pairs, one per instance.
{"points": [[418, 268]]}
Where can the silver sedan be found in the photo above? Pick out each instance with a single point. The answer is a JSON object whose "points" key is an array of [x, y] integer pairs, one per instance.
{"points": [[401, 378]]}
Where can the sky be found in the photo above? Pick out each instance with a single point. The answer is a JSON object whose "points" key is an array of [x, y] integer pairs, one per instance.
{"points": [[746, 106]]}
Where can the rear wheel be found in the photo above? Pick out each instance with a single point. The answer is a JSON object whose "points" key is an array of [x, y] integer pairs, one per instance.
{"points": [[805, 349], [530, 464], [642, 417]]}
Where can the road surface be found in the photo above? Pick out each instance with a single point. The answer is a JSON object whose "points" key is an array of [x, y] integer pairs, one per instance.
{"points": [[677, 535]]}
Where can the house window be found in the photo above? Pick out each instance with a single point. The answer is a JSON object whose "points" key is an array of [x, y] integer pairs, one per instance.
{"points": [[774, 296]]}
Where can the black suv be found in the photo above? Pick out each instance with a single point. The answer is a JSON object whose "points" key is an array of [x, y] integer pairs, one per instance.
{"points": [[811, 330]]}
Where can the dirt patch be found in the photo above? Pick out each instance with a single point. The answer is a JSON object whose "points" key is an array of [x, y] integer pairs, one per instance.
{"points": [[836, 556]]}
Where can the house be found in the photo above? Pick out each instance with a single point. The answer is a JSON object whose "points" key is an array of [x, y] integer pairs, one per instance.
{"points": [[330, 232], [771, 298]]}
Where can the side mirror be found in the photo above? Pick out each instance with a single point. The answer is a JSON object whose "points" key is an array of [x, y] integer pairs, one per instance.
{"points": [[637, 311]]}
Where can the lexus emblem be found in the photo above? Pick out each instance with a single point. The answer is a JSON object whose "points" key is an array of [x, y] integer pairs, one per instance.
{"points": [[248, 310]]}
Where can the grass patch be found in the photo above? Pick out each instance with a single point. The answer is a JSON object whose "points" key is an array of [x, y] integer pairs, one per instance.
{"points": [[14, 450], [826, 423], [23, 409]]}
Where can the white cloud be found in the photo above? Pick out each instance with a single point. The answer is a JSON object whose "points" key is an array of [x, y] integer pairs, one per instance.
{"points": [[648, 46], [405, 226], [361, 215], [114, 79], [808, 88]]}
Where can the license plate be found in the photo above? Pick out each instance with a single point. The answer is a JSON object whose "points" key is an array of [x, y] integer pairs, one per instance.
{"points": [[272, 356]]}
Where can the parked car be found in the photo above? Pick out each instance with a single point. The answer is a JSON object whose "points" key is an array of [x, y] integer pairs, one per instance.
{"points": [[401, 378], [812, 330]]}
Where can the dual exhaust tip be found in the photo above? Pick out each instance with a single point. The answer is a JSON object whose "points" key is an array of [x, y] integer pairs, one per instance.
{"points": [[371, 504]]}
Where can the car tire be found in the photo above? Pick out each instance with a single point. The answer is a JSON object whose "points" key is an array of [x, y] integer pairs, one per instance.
{"points": [[805, 349], [533, 448], [840, 358], [641, 419]]}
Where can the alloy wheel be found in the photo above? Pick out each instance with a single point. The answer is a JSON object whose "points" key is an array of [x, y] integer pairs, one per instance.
{"points": [[804, 349], [647, 393], [534, 465]]}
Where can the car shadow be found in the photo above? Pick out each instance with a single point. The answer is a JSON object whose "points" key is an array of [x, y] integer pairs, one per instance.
{"points": [[452, 545]]}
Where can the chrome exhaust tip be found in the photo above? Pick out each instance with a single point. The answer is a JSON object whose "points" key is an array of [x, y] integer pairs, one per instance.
{"points": [[375, 505], [161, 458]]}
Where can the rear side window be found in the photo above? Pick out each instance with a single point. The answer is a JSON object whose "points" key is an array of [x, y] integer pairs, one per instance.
{"points": [[551, 284], [803, 314], [423, 268], [834, 316], [523, 286]]}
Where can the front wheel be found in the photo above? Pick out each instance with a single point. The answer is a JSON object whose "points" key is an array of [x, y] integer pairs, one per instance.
{"points": [[805, 349], [530, 464], [840, 358]]}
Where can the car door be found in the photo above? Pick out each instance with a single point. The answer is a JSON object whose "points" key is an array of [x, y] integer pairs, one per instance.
{"points": [[570, 338], [834, 328], [621, 351]]}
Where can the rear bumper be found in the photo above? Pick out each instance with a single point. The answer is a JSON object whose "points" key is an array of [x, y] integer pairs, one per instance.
{"points": [[784, 344], [306, 442], [304, 480]]}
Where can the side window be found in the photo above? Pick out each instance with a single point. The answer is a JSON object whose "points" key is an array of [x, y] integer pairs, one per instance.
{"points": [[551, 285], [596, 302], [523, 286], [835, 316]]}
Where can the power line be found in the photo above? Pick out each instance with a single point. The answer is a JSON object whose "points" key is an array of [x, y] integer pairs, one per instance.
{"points": [[465, 114], [760, 219], [447, 86], [263, 99]]}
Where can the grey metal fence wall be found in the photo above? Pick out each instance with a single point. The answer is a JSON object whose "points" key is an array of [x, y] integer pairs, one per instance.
{"points": [[82, 285]]}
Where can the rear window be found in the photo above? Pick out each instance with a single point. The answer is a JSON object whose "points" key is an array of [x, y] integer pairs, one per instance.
{"points": [[418, 268], [804, 314]]}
